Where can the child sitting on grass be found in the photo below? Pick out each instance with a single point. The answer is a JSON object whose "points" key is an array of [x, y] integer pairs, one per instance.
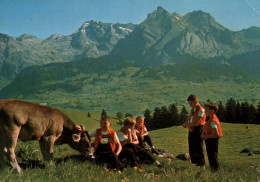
{"points": [[211, 134], [142, 134], [107, 145], [129, 139]]}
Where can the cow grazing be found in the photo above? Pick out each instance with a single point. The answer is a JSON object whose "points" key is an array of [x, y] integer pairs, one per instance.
{"points": [[28, 121]]}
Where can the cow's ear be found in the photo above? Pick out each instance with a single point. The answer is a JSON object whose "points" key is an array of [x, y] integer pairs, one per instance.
{"points": [[76, 138], [83, 127]]}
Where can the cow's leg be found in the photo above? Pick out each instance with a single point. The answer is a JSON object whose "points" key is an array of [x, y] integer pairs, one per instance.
{"points": [[11, 142], [46, 145], [42, 147], [2, 146]]}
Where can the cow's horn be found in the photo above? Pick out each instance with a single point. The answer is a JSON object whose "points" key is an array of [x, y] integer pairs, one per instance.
{"points": [[76, 137], [82, 127]]}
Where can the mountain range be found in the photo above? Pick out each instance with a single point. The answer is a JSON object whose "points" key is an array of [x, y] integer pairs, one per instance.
{"points": [[92, 39], [131, 67]]}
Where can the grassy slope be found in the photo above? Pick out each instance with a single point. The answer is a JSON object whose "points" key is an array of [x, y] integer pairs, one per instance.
{"points": [[234, 166]]}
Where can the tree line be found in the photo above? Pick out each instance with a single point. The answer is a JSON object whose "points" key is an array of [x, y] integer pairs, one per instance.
{"points": [[163, 117], [232, 112], [239, 112]]}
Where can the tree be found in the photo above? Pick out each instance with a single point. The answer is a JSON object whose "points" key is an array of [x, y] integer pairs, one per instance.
{"points": [[103, 113], [174, 116], [183, 115], [244, 110], [230, 111], [128, 115], [89, 115], [120, 117], [147, 119], [165, 118], [157, 118], [257, 121], [221, 112], [237, 116], [252, 114]]}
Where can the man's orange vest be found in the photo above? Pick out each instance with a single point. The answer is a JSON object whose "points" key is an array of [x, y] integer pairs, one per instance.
{"points": [[195, 115], [209, 131], [111, 139], [126, 133]]}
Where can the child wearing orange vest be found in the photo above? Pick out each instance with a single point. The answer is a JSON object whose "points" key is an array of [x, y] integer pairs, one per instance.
{"points": [[129, 140], [195, 123], [211, 134], [107, 145], [142, 134]]}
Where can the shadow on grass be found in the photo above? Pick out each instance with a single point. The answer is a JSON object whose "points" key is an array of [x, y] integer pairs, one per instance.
{"points": [[75, 158], [33, 164]]}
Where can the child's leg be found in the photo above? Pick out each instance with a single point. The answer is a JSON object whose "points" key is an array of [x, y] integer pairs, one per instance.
{"points": [[104, 155], [144, 155], [141, 142], [196, 147], [212, 151], [148, 139], [129, 156]]}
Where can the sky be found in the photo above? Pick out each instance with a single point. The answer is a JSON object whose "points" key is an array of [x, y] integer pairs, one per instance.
{"points": [[42, 18]]}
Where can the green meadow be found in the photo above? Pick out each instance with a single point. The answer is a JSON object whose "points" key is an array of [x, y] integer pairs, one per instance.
{"points": [[130, 90], [70, 166]]}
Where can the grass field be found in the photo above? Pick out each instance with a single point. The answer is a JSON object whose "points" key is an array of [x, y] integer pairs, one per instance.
{"points": [[235, 166]]}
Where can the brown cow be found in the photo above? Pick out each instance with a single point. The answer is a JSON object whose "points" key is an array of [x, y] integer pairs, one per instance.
{"points": [[28, 121]]}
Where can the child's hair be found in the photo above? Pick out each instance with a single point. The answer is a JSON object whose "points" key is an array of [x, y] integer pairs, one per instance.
{"points": [[193, 97], [139, 118], [212, 106], [105, 118], [129, 121]]}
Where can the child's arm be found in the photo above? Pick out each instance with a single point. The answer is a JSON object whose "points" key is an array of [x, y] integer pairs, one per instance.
{"points": [[214, 135], [194, 123], [185, 125], [130, 139], [118, 148], [145, 132]]}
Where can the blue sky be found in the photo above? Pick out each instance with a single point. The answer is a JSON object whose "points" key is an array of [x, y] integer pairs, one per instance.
{"points": [[42, 18]]}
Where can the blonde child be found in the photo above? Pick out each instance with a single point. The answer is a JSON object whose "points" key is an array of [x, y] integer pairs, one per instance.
{"points": [[129, 140], [142, 134]]}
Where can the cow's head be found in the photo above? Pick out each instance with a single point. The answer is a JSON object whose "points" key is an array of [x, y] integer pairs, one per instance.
{"points": [[81, 141]]}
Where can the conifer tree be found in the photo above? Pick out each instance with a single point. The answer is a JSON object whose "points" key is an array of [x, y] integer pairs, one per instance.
{"points": [[257, 121], [237, 117], [183, 115], [156, 118], [147, 119], [230, 111], [165, 119], [174, 116], [103, 113], [252, 114], [221, 112], [244, 113]]}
